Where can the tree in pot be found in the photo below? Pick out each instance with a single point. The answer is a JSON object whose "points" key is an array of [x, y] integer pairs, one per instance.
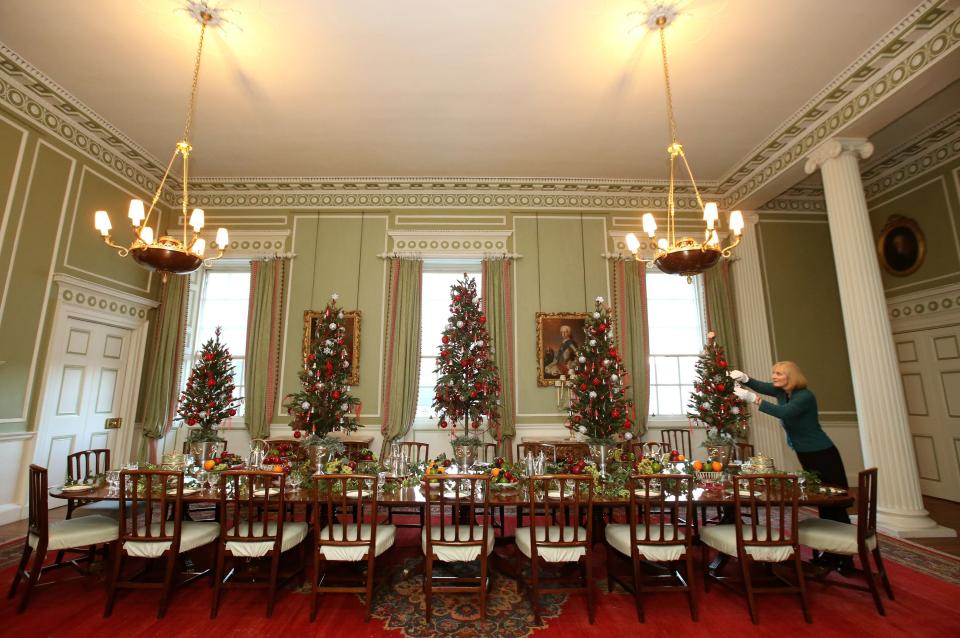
{"points": [[467, 392], [324, 404], [714, 405], [599, 408], [208, 397]]}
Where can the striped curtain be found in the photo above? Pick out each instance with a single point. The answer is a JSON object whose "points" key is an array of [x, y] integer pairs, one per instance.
{"points": [[722, 311], [497, 298], [267, 292], [402, 356], [630, 305], [162, 369]]}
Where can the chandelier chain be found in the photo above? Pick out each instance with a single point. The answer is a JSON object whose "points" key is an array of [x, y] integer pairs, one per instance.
{"points": [[196, 80], [666, 79]]}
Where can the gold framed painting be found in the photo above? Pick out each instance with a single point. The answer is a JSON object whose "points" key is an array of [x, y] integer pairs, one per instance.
{"points": [[351, 324], [559, 336], [901, 246]]}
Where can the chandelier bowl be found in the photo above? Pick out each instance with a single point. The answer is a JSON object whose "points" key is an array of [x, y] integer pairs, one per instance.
{"points": [[167, 255], [687, 258]]}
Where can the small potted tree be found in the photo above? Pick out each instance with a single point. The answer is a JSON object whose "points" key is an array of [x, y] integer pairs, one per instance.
{"points": [[714, 405]]}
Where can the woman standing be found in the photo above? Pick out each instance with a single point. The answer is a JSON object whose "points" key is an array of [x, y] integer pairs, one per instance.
{"points": [[796, 407]]}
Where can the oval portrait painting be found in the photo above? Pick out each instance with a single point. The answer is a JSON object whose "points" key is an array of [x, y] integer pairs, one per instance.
{"points": [[901, 247]]}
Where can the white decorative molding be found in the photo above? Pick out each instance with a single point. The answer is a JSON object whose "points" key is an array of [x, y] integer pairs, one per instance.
{"points": [[244, 244], [925, 309], [833, 148], [450, 243], [79, 292]]}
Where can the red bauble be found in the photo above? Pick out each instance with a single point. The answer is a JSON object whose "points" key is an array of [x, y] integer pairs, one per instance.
{"points": [[721, 387], [311, 357], [482, 319], [443, 424], [602, 328], [457, 297], [583, 387], [722, 363], [208, 357], [473, 395], [191, 421], [211, 383], [612, 352], [296, 434], [212, 404], [577, 418], [615, 414], [596, 382], [445, 339], [444, 353], [233, 412], [335, 394]]}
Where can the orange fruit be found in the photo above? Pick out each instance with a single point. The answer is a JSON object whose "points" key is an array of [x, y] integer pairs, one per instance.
{"points": [[209, 464], [716, 466], [495, 471], [698, 465], [681, 458], [277, 468]]}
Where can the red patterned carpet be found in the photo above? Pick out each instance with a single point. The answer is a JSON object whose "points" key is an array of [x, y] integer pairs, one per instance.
{"points": [[925, 606]]}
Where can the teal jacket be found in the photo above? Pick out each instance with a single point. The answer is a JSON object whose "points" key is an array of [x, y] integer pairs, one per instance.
{"points": [[798, 415]]}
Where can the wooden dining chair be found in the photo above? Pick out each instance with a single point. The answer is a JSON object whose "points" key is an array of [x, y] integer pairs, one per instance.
{"points": [[488, 452], [659, 534], [560, 534], [642, 449], [769, 536], [677, 439], [450, 539], [853, 540], [347, 532], [415, 452], [742, 451], [42, 536], [81, 466], [254, 530], [145, 532]]}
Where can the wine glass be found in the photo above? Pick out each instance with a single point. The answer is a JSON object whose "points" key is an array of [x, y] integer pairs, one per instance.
{"points": [[295, 479], [801, 480]]}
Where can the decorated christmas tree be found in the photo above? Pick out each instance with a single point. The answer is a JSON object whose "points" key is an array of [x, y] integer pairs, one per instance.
{"points": [[467, 394], [713, 402], [324, 404], [598, 406], [208, 398]]}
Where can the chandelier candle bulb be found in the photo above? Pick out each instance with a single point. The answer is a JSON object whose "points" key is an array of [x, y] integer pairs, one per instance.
{"points": [[146, 235], [101, 221], [633, 244], [199, 247], [736, 222], [136, 212], [196, 219], [710, 214], [223, 238], [649, 225]]}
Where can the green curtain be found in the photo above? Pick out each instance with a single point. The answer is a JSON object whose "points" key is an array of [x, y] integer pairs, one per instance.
{"points": [[498, 307], [162, 369], [630, 303], [267, 280], [402, 356], [721, 310]]}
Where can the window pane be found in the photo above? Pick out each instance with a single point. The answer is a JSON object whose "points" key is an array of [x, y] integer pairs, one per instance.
{"points": [[434, 313], [667, 370], [668, 398], [676, 338]]}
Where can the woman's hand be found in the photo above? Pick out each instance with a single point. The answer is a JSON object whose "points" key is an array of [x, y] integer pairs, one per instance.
{"points": [[745, 395], [738, 375]]}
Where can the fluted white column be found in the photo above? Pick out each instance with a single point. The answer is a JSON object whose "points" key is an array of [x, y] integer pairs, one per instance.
{"points": [[881, 408], [765, 432]]}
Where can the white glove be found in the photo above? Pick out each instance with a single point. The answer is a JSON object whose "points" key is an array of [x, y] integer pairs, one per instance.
{"points": [[740, 376], [744, 394]]}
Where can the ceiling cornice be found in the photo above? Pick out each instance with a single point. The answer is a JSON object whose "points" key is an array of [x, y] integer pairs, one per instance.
{"points": [[925, 36]]}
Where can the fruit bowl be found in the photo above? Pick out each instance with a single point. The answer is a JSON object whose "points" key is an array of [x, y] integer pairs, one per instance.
{"points": [[709, 478], [504, 486]]}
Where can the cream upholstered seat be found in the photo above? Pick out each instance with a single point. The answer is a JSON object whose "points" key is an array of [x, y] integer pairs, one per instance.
{"points": [[386, 535], [560, 554], [618, 536], [293, 535], [457, 553], [723, 538], [79, 532], [832, 536], [192, 536]]}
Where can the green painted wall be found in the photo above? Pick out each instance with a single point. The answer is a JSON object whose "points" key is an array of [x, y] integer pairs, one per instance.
{"points": [[931, 200], [804, 314], [48, 195]]}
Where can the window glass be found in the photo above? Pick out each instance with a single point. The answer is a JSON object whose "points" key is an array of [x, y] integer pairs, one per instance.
{"points": [[675, 319]]}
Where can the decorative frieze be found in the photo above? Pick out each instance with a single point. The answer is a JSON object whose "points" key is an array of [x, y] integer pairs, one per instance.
{"points": [[85, 294], [451, 243]]}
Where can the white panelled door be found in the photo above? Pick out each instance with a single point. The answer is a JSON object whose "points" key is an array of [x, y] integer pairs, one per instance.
{"points": [[83, 388], [930, 368]]}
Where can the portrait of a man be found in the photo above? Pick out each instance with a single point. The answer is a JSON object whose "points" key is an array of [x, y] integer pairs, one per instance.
{"points": [[901, 246], [559, 336]]}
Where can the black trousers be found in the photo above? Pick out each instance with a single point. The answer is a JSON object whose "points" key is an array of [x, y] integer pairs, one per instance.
{"points": [[828, 464]]}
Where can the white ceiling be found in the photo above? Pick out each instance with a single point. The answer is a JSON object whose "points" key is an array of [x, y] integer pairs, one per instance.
{"points": [[474, 88]]}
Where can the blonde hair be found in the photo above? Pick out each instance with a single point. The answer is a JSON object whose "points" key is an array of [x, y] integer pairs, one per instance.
{"points": [[795, 376]]}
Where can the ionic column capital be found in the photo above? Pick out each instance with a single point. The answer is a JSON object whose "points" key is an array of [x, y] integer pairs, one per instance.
{"points": [[834, 148]]}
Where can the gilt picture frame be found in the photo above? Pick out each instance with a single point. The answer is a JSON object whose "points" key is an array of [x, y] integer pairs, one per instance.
{"points": [[351, 324], [901, 246], [559, 336]]}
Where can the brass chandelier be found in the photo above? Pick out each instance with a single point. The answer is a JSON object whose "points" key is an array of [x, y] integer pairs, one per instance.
{"points": [[685, 255], [167, 254]]}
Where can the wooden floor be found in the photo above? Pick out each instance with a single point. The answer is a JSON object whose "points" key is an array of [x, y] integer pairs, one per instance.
{"points": [[946, 513]]}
